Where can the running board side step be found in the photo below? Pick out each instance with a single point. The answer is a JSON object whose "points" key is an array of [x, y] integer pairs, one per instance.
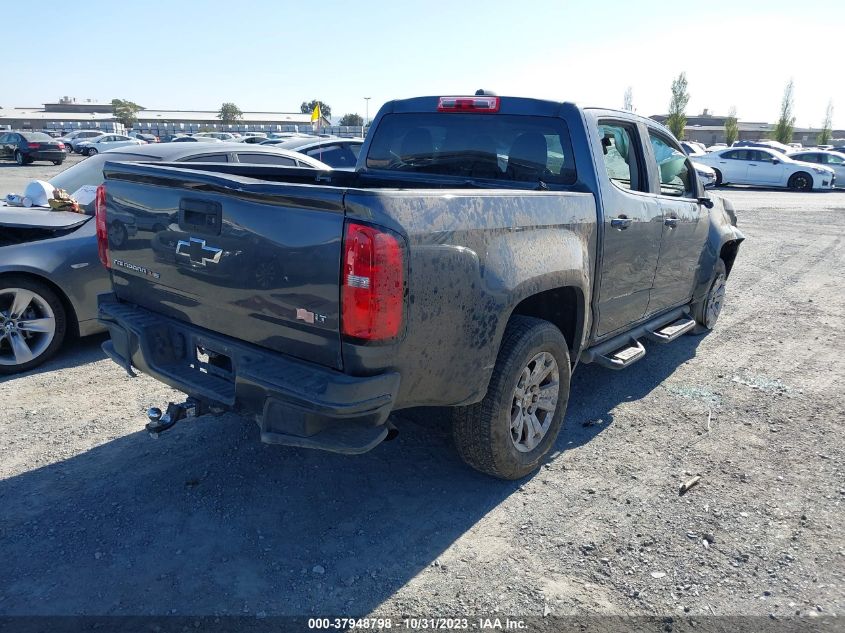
{"points": [[668, 333], [625, 349]]}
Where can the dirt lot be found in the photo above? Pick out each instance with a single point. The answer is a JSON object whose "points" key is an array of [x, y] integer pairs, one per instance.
{"points": [[98, 518]]}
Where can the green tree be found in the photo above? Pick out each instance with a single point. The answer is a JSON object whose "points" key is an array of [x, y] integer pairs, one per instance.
{"points": [[125, 111], [307, 107], [827, 127], [677, 119], [628, 103], [229, 113], [354, 120], [786, 123], [731, 127]]}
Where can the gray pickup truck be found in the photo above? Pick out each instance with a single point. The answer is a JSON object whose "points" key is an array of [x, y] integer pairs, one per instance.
{"points": [[482, 247]]}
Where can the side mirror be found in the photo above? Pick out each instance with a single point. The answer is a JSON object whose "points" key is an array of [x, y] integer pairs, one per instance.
{"points": [[706, 202], [775, 161]]}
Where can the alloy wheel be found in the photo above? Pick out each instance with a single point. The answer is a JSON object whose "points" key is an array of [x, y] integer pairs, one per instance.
{"points": [[27, 326], [535, 399]]}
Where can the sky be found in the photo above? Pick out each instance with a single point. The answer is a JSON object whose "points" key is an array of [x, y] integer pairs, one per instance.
{"points": [[273, 55]]}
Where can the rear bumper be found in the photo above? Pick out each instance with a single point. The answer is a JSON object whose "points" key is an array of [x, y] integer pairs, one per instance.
{"points": [[295, 402], [48, 155]]}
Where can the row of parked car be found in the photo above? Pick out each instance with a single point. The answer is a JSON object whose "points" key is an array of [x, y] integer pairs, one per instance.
{"points": [[770, 164]]}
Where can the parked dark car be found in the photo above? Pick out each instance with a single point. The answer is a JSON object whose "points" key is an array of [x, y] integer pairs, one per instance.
{"points": [[482, 248], [50, 257], [26, 147], [335, 152]]}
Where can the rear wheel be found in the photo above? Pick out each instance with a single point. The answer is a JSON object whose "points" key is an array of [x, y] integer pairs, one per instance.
{"points": [[707, 311], [58, 162], [801, 181], [513, 428], [33, 324]]}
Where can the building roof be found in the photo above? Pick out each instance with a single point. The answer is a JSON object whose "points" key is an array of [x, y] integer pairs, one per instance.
{"points": [[210, 116]]}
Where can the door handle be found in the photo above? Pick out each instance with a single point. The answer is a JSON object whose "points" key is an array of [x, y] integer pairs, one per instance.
{"points": [[670, 222], [621, 222]]}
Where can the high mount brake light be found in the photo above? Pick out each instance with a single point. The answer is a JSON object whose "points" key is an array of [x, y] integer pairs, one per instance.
{"points": [[468, 104], [372, 278], [102, 227]]}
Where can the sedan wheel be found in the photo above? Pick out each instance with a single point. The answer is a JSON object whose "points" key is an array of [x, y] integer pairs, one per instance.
{"points": [[19, 159], [801, 182], [32, 325], [90, 151]]}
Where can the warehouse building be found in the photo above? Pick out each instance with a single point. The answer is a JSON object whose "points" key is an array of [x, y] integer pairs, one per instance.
{"points": [[709, 129], [69, 114]]}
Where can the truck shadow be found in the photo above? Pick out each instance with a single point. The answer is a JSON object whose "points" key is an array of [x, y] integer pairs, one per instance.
{"points": [[74, 352], [206, 520]]}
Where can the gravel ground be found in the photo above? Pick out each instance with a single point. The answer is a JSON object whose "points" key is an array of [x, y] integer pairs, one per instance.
{"points": [[98, 518]]}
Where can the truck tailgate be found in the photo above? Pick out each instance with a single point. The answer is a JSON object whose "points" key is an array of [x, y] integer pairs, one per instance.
{"points": [[253, 260]]}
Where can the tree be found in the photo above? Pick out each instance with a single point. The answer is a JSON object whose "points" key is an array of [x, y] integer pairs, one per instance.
{"points": [[353, 120], [827, 127], [628, 104], [786, 123], [677, 119], [125, 111], [229, 113], [307, 107], [731, 127]]}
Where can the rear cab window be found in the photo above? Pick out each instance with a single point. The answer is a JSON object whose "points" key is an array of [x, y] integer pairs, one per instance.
{"points": [[514, 148]]}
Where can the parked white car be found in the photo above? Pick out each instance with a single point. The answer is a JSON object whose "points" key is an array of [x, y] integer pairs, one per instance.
{"points": [[706, 175], [766, 168], [106, 142], [831, 160], [78, 136], [220, 136]]}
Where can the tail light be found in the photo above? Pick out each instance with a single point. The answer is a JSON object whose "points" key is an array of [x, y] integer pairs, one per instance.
{"points": [[468, 104], [372, 290], [61, 145], [102, 227], [33, 145]]}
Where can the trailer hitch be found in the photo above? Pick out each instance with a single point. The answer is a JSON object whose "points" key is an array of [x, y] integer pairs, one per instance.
{"points": [[160, 423]]}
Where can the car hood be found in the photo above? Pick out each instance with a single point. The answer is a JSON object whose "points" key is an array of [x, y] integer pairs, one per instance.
{"points": [[40, 218]]}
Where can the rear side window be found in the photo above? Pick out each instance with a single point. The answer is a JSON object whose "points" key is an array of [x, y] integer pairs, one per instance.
{"points": [[620, 148], [207, 158], [333, 155], [500, 147], [266, 159]]}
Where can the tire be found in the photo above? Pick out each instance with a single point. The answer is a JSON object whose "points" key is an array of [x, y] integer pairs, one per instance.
{"points": [[800, 181], [19, 158], [718, 178], [90, 151], [58, 162], [22, 349], [484, 434], [706, 312]]}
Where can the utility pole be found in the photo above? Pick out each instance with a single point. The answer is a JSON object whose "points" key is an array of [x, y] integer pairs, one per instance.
{"points": [[366, 114]]}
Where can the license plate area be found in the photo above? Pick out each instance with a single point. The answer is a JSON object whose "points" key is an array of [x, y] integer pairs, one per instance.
{"points": [[207, 360]]}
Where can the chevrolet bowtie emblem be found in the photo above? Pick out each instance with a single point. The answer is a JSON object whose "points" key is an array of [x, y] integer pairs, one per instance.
{"points": [[196, 250]]}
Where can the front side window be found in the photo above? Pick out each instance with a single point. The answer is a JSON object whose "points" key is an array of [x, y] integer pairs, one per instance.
{"points": [[523, 149], [762, 157], [619, 147], [673, 166]]}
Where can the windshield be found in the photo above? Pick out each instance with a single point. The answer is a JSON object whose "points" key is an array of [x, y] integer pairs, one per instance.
{"points": [[90, 172]]}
